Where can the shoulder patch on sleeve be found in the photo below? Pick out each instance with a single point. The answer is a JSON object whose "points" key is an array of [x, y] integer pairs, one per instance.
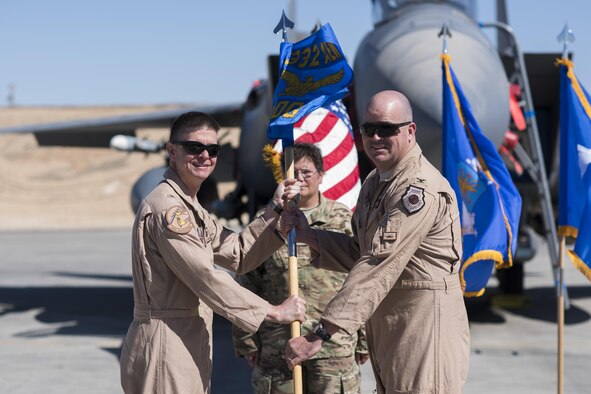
{"points": [[178, 220], [414, 199]]}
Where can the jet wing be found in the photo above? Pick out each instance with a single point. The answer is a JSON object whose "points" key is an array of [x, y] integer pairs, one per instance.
{"points": [[99, 131]]}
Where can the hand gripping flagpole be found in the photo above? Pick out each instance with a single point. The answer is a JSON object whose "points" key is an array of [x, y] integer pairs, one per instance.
{"points": [[565, 36], [283, 25]]}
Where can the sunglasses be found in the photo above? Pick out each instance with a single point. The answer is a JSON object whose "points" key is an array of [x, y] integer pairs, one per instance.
{"points": [[382, 129], [195, 148]]}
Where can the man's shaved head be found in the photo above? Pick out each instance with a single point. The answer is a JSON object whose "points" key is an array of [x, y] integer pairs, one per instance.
{"points": [[392, 102], [388, 109]]}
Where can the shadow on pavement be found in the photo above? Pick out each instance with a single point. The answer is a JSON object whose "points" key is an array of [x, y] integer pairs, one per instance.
{"points": [[539, 304], [124, 278], [107, 311], [101, 311]]}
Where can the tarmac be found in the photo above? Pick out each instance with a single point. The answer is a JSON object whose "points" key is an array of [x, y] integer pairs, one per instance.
{"points": [[66, 302]]}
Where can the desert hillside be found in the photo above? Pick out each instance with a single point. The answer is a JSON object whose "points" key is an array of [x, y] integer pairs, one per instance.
{"points": [[45, 188]]}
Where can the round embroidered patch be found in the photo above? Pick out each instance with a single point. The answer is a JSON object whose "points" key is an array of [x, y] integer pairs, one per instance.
{"points": [[414, 199], [178, 220]]}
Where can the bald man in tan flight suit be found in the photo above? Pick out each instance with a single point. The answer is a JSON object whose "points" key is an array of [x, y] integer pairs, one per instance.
{"points": [[403, 260], [176, 287]]}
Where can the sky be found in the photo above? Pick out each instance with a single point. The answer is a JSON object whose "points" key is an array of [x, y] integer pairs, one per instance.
{"points": [[132, 52]]}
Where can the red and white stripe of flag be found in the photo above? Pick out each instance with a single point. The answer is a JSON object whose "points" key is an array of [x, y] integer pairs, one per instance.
{"points": [[326, 130]]}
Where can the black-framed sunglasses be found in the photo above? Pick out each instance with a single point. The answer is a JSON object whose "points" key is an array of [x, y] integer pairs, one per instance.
{"points": [[195, 148], [382, 129]]}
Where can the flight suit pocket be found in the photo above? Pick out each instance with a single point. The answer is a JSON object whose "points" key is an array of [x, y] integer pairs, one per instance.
{"points": [[387, 233]]}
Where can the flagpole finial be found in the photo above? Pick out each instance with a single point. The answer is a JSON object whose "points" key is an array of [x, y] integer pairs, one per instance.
{"points": [[317, 26], [284, 24], [565, 36], [445, 33]]}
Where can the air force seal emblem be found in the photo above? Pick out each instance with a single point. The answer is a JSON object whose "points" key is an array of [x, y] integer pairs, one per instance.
{"points": [[178, 220], [414, 199]]}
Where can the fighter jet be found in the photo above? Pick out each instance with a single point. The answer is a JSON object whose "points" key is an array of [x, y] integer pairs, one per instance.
{"points": [[401, 53]]}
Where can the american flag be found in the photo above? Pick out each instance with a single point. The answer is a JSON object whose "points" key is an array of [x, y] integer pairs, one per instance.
{"points": [[330, 129]]}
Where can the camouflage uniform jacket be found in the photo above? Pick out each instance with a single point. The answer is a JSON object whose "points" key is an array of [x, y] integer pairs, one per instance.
{"points": [[318, 286]]}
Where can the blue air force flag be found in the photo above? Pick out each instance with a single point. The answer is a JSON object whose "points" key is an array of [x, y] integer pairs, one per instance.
{"points": [[313, 73], [488, 200], [574, 198]]}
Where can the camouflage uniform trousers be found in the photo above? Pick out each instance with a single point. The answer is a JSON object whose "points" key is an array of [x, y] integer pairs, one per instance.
{"points": [[336, 375]]}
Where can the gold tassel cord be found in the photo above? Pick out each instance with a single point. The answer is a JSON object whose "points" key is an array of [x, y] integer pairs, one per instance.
{"points": [[272, 160]]}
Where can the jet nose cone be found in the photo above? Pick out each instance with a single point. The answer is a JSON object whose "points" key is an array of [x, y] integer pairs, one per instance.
{"points": [[404, 54]]}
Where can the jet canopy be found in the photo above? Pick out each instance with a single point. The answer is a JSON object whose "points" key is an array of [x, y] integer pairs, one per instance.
{"points": [[385, 9]]}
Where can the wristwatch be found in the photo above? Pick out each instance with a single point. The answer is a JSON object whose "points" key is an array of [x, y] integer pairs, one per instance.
{"points": [[318, 329], [275, 206]]}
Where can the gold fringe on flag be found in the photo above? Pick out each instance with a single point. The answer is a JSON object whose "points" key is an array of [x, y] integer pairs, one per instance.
{"points": [[494, 255], [575, 82], [272, 160], [570, 231]]}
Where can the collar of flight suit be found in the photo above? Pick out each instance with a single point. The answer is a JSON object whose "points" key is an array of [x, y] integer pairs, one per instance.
{"points": [[175, 181], [409, 158]]}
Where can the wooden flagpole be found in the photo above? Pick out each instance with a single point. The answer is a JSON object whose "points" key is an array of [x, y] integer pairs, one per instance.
{"points": [[282, 26], [293, 269], [560, 317], [565, 36]]}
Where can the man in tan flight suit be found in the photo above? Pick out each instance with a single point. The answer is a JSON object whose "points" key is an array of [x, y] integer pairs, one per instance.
{"points": [[403, 260], [176, 287]]}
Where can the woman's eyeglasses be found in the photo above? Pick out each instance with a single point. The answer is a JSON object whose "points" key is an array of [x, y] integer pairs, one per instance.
{"points": [[195, 148], [382, 129], [306, 174]]}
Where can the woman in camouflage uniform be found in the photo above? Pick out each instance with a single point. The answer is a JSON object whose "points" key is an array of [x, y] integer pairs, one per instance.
{"points": [[335, 369]]}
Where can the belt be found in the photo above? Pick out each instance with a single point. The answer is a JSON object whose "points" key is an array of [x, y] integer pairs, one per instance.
{"points": [[446, 283], [142, 313]]}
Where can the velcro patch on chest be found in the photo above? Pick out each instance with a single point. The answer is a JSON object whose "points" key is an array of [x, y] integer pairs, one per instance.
{"points": [[389, 236], [178, 220], [414, 199]]}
